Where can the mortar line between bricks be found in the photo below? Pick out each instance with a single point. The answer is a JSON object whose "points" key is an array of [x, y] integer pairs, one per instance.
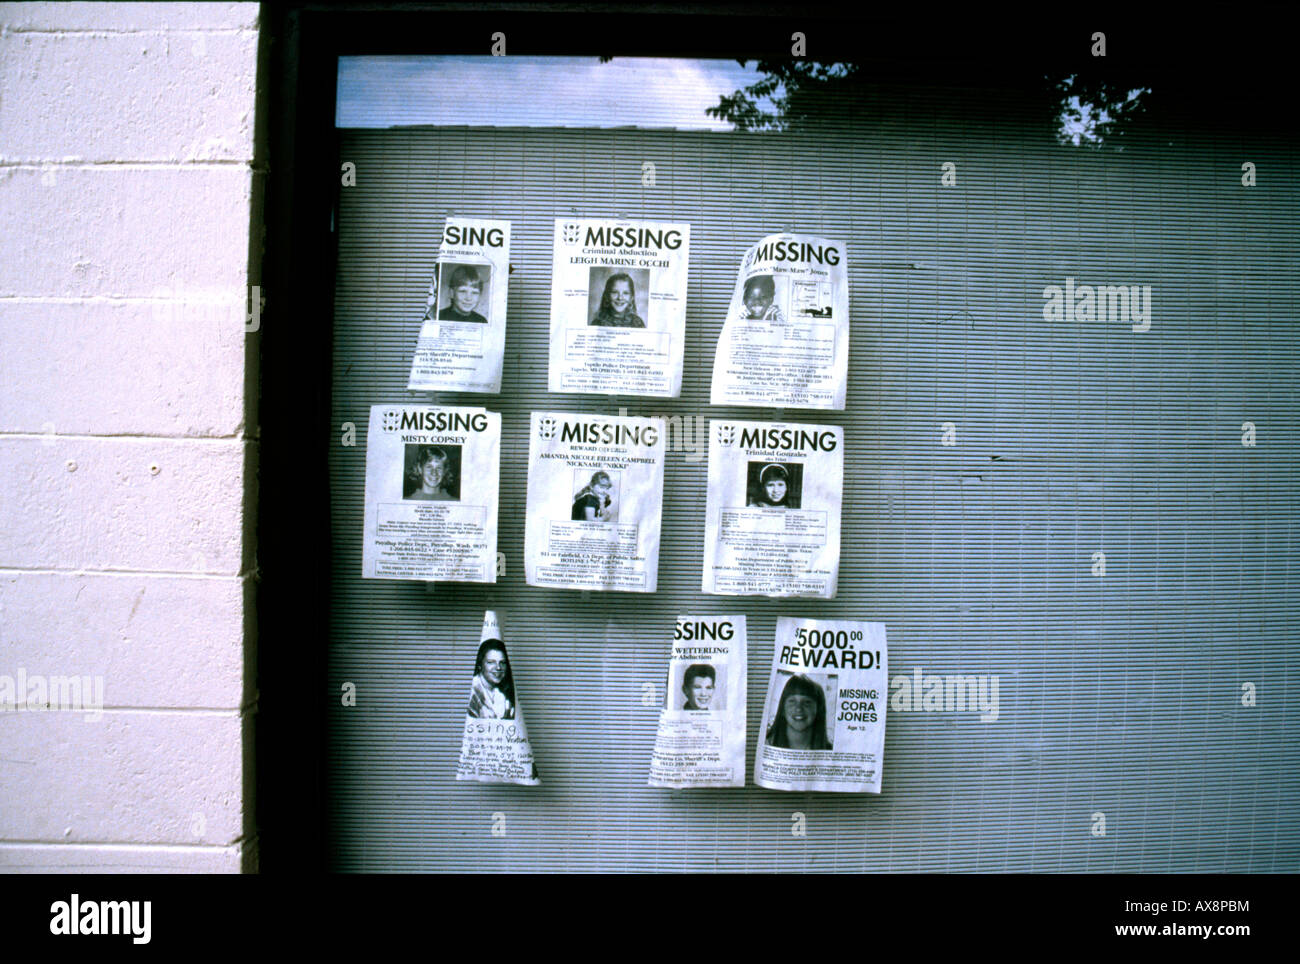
{"points": [[43, 166], [125, 32], [140, 436], [129, 573], [6, 844], [151, 300], [11, 709]]}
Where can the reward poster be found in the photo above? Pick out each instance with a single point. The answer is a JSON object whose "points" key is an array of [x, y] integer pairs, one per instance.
{"points": [[824, 717], [618, 306]]}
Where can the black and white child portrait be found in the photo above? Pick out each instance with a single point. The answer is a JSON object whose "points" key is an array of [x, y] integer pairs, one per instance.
{"points": [[774, 485], [432, 473], [618, 297], [596, 496], [703, 688], [463, 292]]}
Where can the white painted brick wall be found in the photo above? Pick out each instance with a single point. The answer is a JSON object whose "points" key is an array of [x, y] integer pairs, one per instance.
{"points": [[127, 464], [175, 95], [149, 344], [132, 641], [124, 231], [96, 503]]}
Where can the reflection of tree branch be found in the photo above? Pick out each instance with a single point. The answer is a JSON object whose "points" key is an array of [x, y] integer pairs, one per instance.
{"points": [[794, 95], [792, 86], [1092, 111], [1095, 102]]}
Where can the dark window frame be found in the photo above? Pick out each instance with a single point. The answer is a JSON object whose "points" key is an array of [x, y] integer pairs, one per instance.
{"points": [[296, 363]]}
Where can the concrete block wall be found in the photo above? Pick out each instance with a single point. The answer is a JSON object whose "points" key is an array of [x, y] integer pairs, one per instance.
{"points": [[130, 184]]}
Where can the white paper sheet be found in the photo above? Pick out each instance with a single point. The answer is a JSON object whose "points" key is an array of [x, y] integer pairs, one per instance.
{"points": [[618, 306]]}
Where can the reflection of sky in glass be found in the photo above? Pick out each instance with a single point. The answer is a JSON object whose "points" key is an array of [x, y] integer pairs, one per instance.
{"points": [[535, 91]]}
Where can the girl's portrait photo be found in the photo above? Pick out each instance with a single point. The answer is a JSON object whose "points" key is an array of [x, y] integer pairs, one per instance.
{"points": [[618, 297], [800, 720], [492, 694], [759, 300], [597, 498], [432, 473], [775, 485]]}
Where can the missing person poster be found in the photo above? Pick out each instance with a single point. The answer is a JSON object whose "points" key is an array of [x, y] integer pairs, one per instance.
{"points": [[701, 739], [824, 717], [772, 516], [431, 493], [463, 334], [495, 746], [595, 494], [618, 306], [785, 342]]}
